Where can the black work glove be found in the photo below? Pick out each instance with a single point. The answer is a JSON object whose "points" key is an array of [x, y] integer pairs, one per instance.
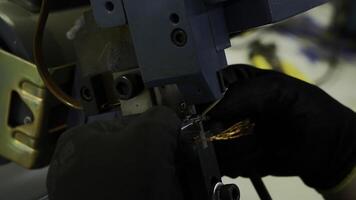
{"points": [[299, 129], [118, 160]]}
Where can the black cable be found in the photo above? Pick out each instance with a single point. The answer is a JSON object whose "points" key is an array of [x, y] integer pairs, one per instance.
{"points": [[260, 188]]}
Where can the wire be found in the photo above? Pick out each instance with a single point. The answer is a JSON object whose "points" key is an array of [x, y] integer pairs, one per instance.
{"points": [[260, 187], [41, 68]]}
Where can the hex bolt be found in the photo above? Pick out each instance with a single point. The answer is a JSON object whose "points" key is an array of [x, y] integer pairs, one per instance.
{"points": [[109, 6], [129, 86], [27, 120]]}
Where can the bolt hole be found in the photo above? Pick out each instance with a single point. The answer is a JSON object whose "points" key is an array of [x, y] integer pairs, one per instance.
{"points": [[109, 6], [19, 113], [179, 37], [174, 18]]}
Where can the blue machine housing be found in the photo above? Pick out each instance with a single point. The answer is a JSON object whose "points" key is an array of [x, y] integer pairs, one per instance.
{"points": [[203, 25]]}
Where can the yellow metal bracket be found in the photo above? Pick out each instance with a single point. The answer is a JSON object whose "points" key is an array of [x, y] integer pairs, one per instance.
{"points": [[30, 143]]}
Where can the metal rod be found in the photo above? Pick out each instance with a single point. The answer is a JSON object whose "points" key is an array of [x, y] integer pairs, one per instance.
{"points": [[260, 188]]}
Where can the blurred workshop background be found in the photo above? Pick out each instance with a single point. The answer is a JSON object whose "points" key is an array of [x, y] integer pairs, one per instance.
{"points": [[318, 47]]}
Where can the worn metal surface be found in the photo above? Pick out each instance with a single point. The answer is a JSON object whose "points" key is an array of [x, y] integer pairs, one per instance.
{"points": [[28, 141]]}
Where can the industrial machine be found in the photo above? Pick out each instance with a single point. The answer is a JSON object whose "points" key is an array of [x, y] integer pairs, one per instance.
{"points": [[116, 58]]}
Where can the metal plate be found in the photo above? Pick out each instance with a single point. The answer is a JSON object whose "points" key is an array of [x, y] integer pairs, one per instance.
{"points": [[29, 143]]}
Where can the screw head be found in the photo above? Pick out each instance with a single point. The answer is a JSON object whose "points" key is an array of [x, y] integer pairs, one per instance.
{"points": [[27, 120]]}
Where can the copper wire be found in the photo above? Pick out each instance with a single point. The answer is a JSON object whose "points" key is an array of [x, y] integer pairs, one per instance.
{"points": [[237, 130], [38, 58]]}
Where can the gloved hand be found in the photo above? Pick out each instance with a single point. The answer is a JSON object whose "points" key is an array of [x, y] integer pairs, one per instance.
{"points": [[118, 160], [299, 129]]}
